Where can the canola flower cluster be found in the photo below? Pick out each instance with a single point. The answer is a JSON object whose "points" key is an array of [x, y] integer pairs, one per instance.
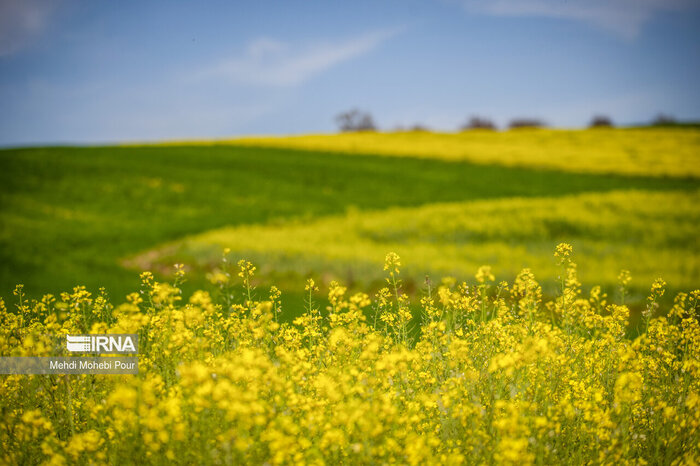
{"points": [[487, 373]]}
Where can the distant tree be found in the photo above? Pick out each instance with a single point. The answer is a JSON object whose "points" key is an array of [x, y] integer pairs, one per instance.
{"points": [[355, 120], [526, 123], [663, 120], [601, 121], [419, 128], [477, 122]]}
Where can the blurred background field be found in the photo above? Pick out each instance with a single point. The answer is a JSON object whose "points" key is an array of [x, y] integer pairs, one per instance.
{"points": [[654, 234], [332, 206]]}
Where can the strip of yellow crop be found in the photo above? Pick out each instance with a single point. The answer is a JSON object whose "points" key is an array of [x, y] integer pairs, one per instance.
{"points": [[653, 233], [652, 151]]}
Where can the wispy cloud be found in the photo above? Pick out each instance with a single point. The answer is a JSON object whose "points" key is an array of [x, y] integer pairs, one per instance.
{"points": [[268, 62], [21, 21], [624, 18]]}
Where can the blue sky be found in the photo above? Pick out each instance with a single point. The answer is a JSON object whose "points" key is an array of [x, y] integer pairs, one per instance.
{"points": [[105, 71]]}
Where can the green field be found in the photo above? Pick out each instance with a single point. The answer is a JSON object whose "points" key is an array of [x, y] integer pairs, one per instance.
{"points": [[78, 215]]}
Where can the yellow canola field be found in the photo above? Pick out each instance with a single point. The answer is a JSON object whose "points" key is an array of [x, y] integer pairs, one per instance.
{"points": [[651, 233], [497, 375], [641, 151]]}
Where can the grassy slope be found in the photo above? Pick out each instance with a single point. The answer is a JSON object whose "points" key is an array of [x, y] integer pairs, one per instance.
{"points": [[68, 215]]}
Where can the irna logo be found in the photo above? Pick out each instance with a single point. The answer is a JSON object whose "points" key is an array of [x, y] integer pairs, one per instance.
{"points": [[103, 344]]}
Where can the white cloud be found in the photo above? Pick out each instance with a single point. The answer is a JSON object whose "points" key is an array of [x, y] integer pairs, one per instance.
{"points": [[625, 18], [21, 21], [268, 62]]}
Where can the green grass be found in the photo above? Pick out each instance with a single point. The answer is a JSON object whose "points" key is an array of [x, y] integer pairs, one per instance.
{"points": [[69, 215]]}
